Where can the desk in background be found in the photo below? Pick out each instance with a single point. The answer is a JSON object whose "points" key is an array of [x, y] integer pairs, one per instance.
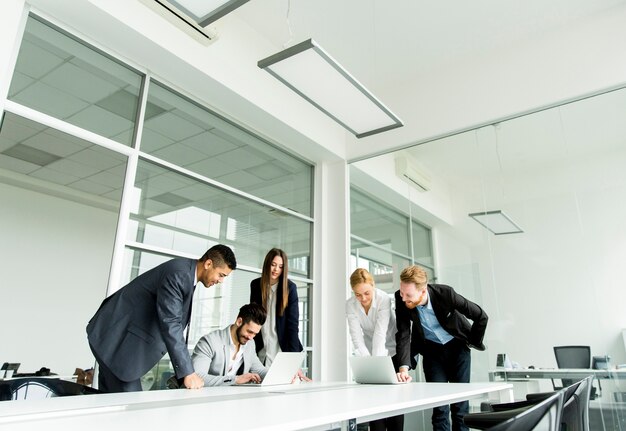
{"points": [[313, 406], [554, 373]]}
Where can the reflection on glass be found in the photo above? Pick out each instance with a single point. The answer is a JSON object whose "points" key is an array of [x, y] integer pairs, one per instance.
{"points": [[560, 173], [59, 207], [46, 154], [384, 266], [188, 135], [378, 223], [422, 245], [180, 213], [69, 80], [304, 304]]}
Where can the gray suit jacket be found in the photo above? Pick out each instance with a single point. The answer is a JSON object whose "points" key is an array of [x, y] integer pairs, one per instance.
{"points": [[211, 358], [138, 324]]}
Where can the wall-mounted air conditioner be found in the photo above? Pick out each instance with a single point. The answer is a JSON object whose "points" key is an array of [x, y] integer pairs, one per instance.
{"points": [[407, 169], [175, 13]]}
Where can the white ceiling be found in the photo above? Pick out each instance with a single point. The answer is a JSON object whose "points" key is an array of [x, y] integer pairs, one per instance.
{"points": [[378, 39], [577, 133], [397, 48], [387, 44], [394, 48]]}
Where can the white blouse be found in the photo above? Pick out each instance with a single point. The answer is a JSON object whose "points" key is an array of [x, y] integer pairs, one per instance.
{"points": [[271, 347], [373, 333]]}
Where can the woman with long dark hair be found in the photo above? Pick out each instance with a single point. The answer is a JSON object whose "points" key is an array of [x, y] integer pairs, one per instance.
{"points": [[279, 296]]}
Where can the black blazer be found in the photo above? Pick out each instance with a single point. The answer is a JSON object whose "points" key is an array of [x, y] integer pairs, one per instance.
{"points": [[287, 324], [452, 311], [138, 324]]}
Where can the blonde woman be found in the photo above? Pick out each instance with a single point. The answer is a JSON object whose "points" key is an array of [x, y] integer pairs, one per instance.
{"points": [[372, 326]]}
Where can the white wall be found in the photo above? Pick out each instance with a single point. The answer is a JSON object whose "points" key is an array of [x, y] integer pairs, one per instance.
{"points": [[55, 257], [568, 61], [561, 282]]}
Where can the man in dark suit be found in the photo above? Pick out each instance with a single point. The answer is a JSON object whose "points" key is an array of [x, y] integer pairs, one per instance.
{"points": [[138, 324], [432, 321]]}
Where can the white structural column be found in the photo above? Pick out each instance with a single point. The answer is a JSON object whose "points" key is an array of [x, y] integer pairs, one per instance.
{"points": [[331, 253]]}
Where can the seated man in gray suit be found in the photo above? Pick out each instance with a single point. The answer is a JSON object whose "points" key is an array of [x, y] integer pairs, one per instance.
{"points": [[144, 320], [228, 356]]}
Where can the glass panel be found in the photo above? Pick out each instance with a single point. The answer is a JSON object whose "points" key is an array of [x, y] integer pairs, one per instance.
{"points": [[31, 149], [59, 208], [422, 244], [377, 223], [384, 266], [559, 174], [305, 293], [217, 307], [181, 132], [176, 212], [69, 80]]}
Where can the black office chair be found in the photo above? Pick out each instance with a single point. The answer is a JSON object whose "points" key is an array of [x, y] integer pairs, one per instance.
{"points": [[37, 388], [572, 357], [544, 416], [575, 414]]}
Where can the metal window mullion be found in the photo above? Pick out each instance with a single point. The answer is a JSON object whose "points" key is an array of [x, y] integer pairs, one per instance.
{"points": [[373, 244], [65, 127], [19, 37], [175, 168], [122, 224]]}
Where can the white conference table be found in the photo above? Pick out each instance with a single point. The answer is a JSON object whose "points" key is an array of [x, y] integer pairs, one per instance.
{"points": [[554, 373], [310, 406]]}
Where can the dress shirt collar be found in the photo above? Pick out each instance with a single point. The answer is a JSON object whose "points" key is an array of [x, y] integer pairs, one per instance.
{"points": [[429, 304], [373, 305]]}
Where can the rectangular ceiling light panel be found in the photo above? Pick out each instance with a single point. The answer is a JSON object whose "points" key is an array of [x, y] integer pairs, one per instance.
{"points": [[497, 222], [309, 71], [204, 12], [194, 16]]}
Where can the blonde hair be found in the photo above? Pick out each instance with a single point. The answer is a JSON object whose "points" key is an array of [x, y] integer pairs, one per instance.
{"points": [[414, 274], [359, 276]]}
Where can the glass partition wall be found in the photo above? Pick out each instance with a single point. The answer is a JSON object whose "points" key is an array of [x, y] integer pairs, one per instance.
{"points": [[109, 152], [560, 175], [383, 240]]}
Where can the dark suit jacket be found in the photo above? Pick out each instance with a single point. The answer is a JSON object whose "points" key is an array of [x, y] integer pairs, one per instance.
{"points": [[452, 311], [287, 324], [138, 324]]}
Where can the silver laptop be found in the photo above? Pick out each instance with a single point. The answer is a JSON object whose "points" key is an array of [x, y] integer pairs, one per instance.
{"points": [[373, 369], [283, 369]]}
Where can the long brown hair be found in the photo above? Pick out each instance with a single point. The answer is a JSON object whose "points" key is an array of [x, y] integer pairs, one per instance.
{"points": [[283, 284]]}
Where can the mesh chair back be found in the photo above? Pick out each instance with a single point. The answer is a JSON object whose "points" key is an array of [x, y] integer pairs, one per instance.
{"points": [[573, 356], [575, 416], [544, 416], [38, 388]]}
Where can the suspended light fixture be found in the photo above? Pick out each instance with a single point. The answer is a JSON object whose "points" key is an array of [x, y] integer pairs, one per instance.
{"points": [[497, 222], [313, 74], [197, 14]]}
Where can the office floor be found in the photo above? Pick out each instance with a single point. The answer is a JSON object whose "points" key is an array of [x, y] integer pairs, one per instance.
{"points": [[607, 417]]}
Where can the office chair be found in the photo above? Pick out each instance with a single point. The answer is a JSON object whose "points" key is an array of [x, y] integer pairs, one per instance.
{"points": [[574, 417], [544, 416], [571, 357], [37, 388]]}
